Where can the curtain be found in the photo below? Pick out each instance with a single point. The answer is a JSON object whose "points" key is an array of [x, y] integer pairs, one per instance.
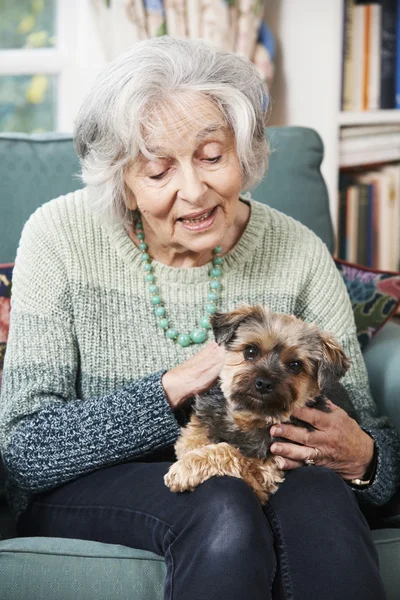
{"points": [[234, 25]]}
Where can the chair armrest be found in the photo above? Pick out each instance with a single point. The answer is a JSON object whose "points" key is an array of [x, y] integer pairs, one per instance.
{"points": [[382, 357]]}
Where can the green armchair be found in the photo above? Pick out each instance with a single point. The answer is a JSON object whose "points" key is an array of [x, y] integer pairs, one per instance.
{"points": [[37, 168]]}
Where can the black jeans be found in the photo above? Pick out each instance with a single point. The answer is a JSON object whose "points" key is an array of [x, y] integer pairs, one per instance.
{"points": [[310, 542]]}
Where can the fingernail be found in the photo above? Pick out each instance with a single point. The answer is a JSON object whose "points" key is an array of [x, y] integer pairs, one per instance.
{"points": [[276, 448], [276, 430]]}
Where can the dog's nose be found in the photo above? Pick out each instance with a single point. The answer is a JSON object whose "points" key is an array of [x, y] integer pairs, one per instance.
{"points": [[264, 386]]}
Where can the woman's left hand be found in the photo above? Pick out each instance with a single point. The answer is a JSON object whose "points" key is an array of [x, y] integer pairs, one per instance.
{"points": [[342, 445]]}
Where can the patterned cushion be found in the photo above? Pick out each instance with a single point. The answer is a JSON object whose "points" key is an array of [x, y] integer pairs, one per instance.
{"points": [[5, 293], [375, 296]]}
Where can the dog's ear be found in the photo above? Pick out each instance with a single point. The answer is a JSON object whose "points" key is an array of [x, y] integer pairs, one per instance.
{"points": [[225, 325], [334, 364]]}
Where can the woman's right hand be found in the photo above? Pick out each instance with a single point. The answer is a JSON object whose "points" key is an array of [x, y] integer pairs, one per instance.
{"points": [[196, 375]]}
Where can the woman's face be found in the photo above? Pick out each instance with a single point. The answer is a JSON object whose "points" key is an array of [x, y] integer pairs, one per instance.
{"points": [[196, 171]]}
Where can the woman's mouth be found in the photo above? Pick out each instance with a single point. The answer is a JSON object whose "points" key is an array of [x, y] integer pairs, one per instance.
{"points": [[203, 222]]}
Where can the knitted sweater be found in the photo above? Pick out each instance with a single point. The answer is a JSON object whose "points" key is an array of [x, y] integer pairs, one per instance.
{"points": [[82, 376]]}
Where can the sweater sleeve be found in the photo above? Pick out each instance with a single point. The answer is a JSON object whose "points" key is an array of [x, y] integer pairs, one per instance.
{"points": [[326, 302], [48, 435]]}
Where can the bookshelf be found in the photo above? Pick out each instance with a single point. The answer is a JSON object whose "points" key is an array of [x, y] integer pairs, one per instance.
{"points": [[373, 117], [307, 88]]}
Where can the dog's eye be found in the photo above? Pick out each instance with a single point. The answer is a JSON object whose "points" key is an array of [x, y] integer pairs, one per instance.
{"points": [[251, 352], [295, 366]]}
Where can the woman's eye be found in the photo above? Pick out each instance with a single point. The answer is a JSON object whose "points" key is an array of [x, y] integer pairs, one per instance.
{"points": [[295, 366], [213, 160], [251, 352], [159, 176]]}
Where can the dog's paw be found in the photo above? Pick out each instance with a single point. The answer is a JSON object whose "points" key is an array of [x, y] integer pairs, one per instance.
{"points": [[184, 475], [177, 478]]}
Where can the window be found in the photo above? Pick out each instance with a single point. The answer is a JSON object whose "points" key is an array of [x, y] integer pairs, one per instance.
{"points": [[38, 75]]}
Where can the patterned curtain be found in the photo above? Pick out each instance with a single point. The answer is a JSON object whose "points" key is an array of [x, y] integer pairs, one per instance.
{"points": [[235, 25]]}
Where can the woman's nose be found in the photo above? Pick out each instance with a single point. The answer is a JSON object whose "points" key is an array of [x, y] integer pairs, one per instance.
{"points": [[191, 184]]}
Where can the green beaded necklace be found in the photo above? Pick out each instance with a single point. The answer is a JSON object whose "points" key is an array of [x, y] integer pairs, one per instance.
{"points": [[200, 333]]}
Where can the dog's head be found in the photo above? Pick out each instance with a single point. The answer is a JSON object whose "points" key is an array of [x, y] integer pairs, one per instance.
{"points": [[274, 362]]}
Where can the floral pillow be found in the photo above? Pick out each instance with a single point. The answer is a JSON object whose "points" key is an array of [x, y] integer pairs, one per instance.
{"points": [[375, 297], [5, 293]]}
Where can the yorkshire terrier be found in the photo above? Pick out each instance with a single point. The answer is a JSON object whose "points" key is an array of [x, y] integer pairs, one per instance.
{"points": [[274, 363]]}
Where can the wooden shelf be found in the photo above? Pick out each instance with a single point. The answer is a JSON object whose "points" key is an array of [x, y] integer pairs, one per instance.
{"points": [[372, 117]]}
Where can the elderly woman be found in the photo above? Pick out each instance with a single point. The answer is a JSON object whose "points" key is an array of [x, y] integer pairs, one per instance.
{"points": [[114, 286]]}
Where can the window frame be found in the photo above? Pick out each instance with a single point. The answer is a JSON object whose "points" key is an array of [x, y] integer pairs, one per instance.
{"points": [[62, 60]]}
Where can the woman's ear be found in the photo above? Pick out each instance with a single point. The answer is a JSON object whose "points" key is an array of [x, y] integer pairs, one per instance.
{"points": [[334, 364], [130, 199]]}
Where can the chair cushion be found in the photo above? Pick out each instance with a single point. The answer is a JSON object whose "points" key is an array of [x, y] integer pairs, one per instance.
{"points": [[293, 183], [48, 568], [387, 543], [33, 169], [374, 295], [67, 569]]}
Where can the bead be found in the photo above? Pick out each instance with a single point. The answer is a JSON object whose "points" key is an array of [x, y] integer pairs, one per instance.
{"points": [[140, 235], [156, 299], [210, 308], [215, 285], [205, 322], [150, 277], [143, 246], [171, 333], [198, 335], [212, 296], [159, 311], [217, 261], [217, 250], [139, 225], [163, 323], [153, 288], [147, 267], [215, 272], [183, 340], [145, 256]]}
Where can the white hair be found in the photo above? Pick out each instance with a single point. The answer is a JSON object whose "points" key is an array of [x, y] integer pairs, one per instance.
{"points": [[153, 76]]}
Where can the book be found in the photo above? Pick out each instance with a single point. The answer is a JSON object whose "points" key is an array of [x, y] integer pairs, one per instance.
{"points": [[347, 68], [359, 58], [388, 53], [362, 225], [352, 203], [392, 229], [397, 76], [372, 76]]}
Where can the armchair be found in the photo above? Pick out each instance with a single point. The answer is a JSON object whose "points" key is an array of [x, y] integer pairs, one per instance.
{"points": [[37, 168]]}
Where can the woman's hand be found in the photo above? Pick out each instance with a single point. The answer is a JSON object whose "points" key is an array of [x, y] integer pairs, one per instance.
{"points": [[343, 446], [194, 376]]}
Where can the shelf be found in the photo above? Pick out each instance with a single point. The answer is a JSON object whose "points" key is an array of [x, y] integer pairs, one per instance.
{"points": [[372, 117]]}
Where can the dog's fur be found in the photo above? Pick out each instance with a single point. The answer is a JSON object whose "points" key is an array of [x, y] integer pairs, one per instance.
{"points": [[274, 363]]}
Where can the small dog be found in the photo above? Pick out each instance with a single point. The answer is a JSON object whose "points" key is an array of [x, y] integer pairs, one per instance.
{"points": [[274, 363]]}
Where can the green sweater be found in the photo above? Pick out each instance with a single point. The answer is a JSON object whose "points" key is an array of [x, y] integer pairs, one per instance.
{"points": [[82, 377]]}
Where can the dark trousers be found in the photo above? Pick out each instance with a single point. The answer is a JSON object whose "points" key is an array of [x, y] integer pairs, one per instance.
{"points": [[310, 542]]}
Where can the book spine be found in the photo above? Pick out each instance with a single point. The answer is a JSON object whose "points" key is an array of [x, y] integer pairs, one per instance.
{"points": [[398, 56], [388, 53], [362, 224], [370, 225], [374, 79], [358, 58], [367, 55], [342, 233], [347, 73]]}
